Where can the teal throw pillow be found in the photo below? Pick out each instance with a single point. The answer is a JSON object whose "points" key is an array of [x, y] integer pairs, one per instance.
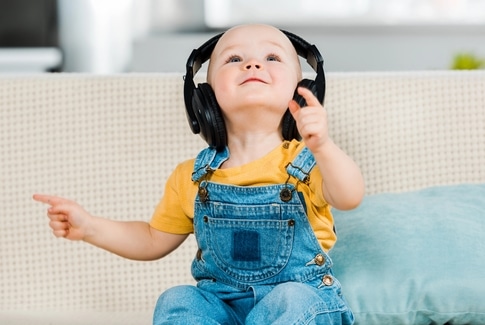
{"points": [[414, 258]]}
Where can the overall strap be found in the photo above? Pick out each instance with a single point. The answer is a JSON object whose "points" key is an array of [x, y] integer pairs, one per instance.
{"points": [[302, 165], [208, 159]]}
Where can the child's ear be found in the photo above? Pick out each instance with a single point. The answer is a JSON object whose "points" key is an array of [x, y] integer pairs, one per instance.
{"points": [[293, 107]]}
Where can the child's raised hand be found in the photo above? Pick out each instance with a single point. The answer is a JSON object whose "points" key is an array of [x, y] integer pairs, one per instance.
{"points": [[311, 120], [67, 218]]}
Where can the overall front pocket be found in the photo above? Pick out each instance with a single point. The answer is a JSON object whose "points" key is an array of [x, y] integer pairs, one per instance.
{"points": [[250, 250]]}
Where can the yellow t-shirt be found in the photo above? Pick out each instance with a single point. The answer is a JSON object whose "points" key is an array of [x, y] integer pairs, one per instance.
{"points": [[175, 212]]}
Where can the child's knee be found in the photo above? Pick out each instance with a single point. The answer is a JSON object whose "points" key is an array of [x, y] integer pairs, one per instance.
{"points": [[175, 301], [293, 291], [176, 293], [298, 303], [190, 305]]}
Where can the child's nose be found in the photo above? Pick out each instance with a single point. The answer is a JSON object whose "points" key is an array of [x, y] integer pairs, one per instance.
{"points": [[253, 64], [250, 66]]}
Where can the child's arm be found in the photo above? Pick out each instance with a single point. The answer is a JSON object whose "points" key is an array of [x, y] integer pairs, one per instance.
{"points": [[343, 184], [134, 239]]}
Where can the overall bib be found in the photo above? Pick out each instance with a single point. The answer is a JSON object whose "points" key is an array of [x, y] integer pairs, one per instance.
{"points": [[259, 261]]}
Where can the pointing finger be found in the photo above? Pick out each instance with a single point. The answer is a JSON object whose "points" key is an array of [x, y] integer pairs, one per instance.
{"points": [[49, 199]]}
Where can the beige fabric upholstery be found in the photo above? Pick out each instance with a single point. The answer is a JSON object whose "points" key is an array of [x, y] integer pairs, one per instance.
{"points": [[110, 142]]}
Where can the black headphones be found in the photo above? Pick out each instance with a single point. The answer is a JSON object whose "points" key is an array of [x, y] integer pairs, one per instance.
{"points": [[203, 111]]}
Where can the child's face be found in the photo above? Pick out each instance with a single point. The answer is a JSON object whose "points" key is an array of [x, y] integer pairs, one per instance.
{"points": [[254, 66]]}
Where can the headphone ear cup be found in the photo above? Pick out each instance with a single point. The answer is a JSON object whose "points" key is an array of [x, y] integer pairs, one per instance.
{"points": [[209, 115], [289, 128], [305, 83]]}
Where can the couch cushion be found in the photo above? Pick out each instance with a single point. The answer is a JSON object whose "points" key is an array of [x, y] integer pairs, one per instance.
{"points": [[415, 257]]}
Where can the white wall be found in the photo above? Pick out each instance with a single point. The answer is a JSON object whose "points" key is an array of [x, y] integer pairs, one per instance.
{"points": [[344, 48], [111, 36]]}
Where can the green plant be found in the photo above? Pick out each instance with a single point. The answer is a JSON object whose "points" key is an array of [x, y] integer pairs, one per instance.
{"points": [[467, 61]]}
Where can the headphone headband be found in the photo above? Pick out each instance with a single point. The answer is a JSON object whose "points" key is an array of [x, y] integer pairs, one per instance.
{"points": [[202, 54], [313, 58]]}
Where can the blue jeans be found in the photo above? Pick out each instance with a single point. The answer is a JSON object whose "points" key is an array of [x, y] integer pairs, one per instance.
{"points": [[259, 261], [286, 303]]}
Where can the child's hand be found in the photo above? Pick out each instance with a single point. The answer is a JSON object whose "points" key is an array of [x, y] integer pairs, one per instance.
{"points": [[311, 120], [67, 218]]}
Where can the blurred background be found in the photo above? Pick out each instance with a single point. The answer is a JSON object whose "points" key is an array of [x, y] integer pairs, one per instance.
{"points": [[117, 36]]}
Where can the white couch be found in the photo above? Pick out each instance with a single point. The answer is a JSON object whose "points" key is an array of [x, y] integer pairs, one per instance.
{"points": [[110, 142]]}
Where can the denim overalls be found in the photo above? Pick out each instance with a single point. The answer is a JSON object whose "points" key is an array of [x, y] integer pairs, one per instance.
{"points": [[259, 261]]}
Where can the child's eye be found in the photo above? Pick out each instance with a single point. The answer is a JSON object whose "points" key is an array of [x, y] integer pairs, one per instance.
{"points": [[273, 57], [233, 58]]}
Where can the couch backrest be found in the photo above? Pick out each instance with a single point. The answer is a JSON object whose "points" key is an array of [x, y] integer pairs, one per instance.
{"points": [[411, 130], [110, 143]]}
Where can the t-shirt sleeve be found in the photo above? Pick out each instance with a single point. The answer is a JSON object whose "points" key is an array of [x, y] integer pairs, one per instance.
{"points": [[174, 212]]}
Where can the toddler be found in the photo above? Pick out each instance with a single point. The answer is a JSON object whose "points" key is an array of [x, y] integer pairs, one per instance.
{"points": [[258, 199]]}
